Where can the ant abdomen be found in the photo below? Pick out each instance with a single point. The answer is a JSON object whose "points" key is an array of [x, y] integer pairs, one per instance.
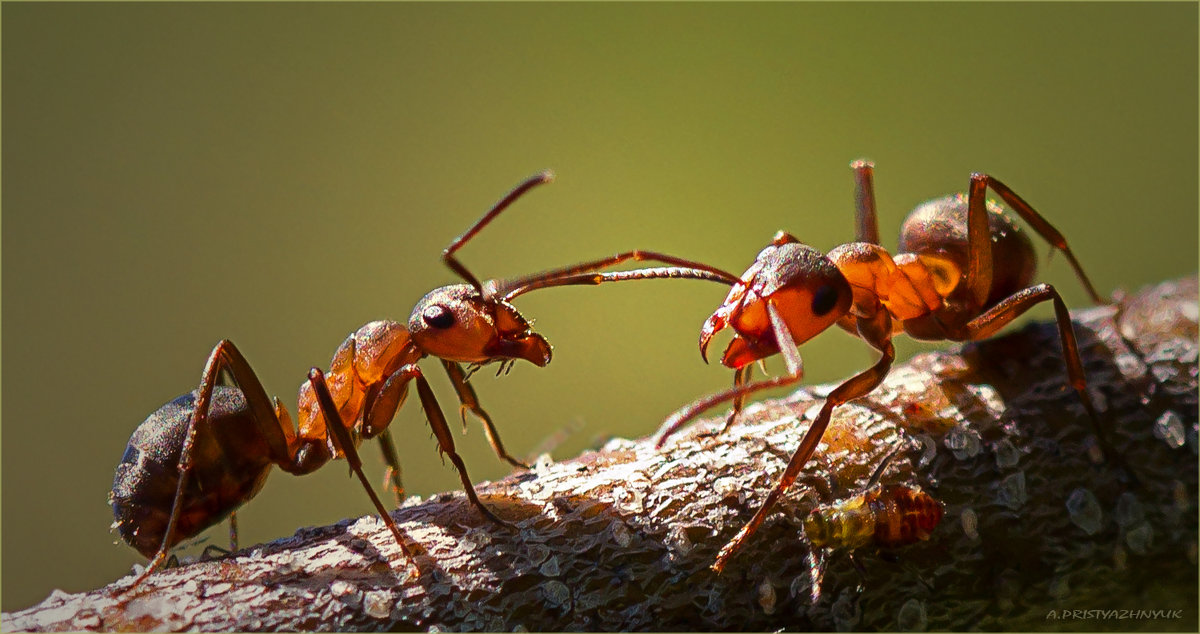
{"points": [[939, 227], [229, 465]]}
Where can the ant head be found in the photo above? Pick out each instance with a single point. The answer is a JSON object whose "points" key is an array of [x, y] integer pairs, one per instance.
{"points": [[805, 287], [456, 323]]}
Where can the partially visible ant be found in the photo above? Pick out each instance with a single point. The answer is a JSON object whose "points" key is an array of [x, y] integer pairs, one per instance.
{"points": [[885, 517], [197, 459], [963, 271]]}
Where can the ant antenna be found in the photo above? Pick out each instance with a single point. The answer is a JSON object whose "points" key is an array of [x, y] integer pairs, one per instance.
{"points": [[540, 178]]}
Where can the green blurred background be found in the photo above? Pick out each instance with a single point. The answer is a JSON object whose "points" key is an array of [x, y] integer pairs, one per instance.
{"points": [[280, 174]]}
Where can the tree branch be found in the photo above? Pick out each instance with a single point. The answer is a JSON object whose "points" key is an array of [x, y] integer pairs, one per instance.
{"points": [[621, 539]]}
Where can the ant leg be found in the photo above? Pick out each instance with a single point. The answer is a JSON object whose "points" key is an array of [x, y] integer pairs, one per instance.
{"points": [[882, 466], [391, 397], [1014, 306], [441, 431], [876, 331], [979, 243], [866, 220], [391, 479], [1039, 224], [344, 443], [509, 289], [456, 244], [687, 413], [466, 396], [740, 377], [233, 540], [791, 355], [208, 551]]}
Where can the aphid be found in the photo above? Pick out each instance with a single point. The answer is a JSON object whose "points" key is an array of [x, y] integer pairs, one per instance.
{"points": [[963, 271], [886, 517], [198, 458]]}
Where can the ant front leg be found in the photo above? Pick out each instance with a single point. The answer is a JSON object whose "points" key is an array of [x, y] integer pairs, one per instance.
{"points": [[740, 377], [466, 396], [1035, 220], [738, 394], [392, 395], [875, 330]]}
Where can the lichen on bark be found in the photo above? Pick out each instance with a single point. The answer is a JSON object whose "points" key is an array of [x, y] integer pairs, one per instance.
{"points": [[1037, 522]]}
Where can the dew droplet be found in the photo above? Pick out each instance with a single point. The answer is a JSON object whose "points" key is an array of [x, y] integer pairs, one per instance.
{"points": [[536, 553], [845, 610], [970, 523], [377, 604], [1085, 510], [1129, 510], [911, 617], [1169, 428], [1060, 587], [556, 592], [678, 541], [1011, 492], [766, 596], [1129, 366], [964, 442], [1179, 493], [550, 568], [930, 451], [621, 534], [1140, 538], [1163, 373], [1006, 454]]}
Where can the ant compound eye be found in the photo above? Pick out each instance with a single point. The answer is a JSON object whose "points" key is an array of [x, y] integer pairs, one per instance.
{"points": [[438, 317], [824, 299]]}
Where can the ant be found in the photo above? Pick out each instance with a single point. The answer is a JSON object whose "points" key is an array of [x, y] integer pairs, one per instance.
{"points": [[963, 271], [198, 458]]}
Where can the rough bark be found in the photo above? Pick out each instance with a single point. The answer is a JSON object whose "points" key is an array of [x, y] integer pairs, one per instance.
{"points": [[1037, 522]]}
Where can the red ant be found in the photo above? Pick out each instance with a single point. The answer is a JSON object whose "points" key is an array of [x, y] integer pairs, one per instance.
{"points": [[963, 271], [198, 458]]}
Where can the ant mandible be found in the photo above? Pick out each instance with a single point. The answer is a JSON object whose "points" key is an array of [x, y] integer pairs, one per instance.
{"points": [[227, 438], [962, 272]]}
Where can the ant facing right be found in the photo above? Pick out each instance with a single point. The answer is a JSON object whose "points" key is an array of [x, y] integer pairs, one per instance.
{"points": [[963, 271], [198, 458]]}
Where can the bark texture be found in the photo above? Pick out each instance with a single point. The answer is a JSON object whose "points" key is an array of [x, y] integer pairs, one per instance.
{"points": [[1037, 522]]}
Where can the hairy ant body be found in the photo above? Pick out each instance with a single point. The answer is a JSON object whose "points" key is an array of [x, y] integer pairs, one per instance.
{"points": [[198, 458], [963, 271]]}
